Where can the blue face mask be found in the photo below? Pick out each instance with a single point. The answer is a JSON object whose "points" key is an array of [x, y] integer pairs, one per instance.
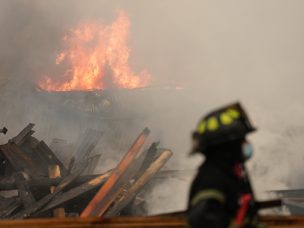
{"points": [[247, 150]]}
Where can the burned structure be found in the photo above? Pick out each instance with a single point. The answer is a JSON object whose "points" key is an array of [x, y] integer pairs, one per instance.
{"points": [[45, 186]]}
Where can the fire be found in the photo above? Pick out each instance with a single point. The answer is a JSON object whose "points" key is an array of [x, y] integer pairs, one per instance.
{"points": [[95, 55]]}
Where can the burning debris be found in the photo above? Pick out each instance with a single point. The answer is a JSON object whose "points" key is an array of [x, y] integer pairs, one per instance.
{"points": [[46, 186]]}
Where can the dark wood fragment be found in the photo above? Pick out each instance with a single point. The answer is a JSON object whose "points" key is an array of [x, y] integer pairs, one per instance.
{"points": [[27, 131], [49, 157], [24, 191], [8, 206], [146, 176], [21, 161], [77, 191], [108, 192], [46, 199]]}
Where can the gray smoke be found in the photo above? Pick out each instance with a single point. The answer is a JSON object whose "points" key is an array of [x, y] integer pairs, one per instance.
{"points": [[219, 51]]}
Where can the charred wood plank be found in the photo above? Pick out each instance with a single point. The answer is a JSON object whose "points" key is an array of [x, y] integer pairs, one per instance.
{"points": [[77, 191], [145, 159], [54, 172], [105, 196], [138, 167], [24, 191], [21, 161], [58, 189], [27, 131], [49, 157], [62, 150], [9, 183], [11, 205], [138, 185]]}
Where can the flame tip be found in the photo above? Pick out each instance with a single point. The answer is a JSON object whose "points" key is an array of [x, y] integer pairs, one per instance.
{"points": [[93, 53]]}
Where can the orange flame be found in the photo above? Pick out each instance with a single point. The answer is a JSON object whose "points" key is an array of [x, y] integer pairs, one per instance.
{"points": [[92, 53]]}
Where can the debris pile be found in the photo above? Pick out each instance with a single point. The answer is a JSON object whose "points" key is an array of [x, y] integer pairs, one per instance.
{"points": [[47, 183]]}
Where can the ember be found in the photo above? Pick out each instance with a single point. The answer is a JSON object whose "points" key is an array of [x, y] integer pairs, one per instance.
{"points": [[95, 53]]}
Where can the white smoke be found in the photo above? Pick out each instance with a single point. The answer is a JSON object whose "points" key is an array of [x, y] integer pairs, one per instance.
{"points": [[220, 51]]}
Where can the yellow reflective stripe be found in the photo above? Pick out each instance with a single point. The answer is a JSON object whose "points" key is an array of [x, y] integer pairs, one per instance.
{"points": [[212, 124], [226, 119], [201, 127], [233, 113], [208, 194]]}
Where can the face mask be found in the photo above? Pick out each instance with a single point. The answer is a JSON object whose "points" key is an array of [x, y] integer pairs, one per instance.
{"points": [[247, 151]]}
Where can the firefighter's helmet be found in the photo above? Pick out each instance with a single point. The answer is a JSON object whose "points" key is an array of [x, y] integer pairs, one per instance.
{"points": [[221, 126]]}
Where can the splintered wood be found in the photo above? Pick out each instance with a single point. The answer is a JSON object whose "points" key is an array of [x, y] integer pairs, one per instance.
{"points": [[48, 186], [102, 200]]}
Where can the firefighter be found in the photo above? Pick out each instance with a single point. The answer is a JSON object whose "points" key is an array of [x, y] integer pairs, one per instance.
{"points": [[221, 194]]}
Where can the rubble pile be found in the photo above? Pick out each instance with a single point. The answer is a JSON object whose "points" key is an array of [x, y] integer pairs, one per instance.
{"points": [[36, 182]]}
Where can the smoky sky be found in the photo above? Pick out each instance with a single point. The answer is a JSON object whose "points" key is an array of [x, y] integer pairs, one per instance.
{"points": [[213, 45], [219, 51]]}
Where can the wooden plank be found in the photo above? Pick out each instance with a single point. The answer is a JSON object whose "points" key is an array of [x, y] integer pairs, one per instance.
{"points": [[27, 131], [54, 172], [62, 150], [138, 185], [20, 160], [104, 197], [8, 206], [147, 159], [46, 199], [138, 166], [24, 191], [50, 158], [25, 138], [8, 183], [77, 191]]}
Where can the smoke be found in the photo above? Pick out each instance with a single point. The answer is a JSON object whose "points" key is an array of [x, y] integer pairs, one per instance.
{"points": [[219, 51]]}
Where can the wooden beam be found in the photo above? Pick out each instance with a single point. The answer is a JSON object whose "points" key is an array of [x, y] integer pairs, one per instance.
{"points": [[105, 196], [24, 191], [8, 183], [27, 131], [50, 158], [21, 161], [139, 184], [54, 172], [77, 191], [46, 199], [10, 205]]}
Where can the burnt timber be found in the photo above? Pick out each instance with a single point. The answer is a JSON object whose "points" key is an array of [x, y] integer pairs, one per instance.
{"points": [[47, 187]]}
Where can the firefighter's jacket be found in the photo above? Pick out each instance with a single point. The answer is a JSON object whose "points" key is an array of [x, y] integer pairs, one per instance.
{"points": [[215, 195]]}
